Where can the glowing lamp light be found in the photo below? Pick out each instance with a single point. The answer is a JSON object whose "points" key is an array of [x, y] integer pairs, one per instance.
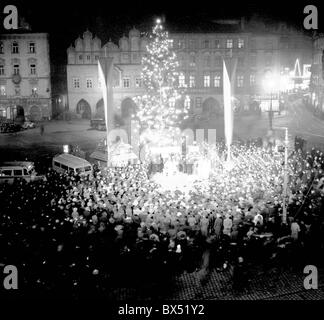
{"points": [[66, 148], [158, 20], [269, 84]]}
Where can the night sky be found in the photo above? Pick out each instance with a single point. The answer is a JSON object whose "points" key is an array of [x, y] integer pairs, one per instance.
{"points": [[65, 20]]}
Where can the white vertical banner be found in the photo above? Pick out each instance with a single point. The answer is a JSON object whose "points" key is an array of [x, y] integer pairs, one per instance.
{"points": [[228, 111], [105, 69]]}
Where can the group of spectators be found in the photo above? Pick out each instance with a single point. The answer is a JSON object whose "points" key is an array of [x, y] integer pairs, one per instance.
{"points": [[73, 235]]}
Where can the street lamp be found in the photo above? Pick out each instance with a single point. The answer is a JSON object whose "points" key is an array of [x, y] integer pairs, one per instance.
{"points": [[269, 84]]}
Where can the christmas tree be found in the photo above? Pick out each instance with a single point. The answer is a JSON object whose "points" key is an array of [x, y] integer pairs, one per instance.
{"points": [[161, 108]]}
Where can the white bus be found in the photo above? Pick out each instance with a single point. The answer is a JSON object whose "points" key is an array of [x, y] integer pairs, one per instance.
{"points": [[15, 170], [67, 163]]}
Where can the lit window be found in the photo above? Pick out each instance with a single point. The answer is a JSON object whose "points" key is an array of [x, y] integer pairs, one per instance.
{"points": [[1, 47], [240, 81], [206, 81], [126, 82], [15, 47], [240, 43], [3, 90], [34, 91], [217, 81], [217, 43], [16, 69], [138, 82], [192, 82], [76, 82], [33, 69], [32, 47], [89, 83], [2, 70], [229, 43], [252, 79], [198, 102], [187, 102], [182, 80]]}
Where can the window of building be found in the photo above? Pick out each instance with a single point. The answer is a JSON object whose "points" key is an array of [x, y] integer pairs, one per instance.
{"points": [[217, 81], [76, 82], [2, 70], [229, 43], [268, 59], [33, 69], [32, 48], [80, 57], [206, 81], [240, 81], [181, 44], [192, 82], [240, 43], [240, 61], [192, 44], [34, 91], [182, 80], [138, 82], [252, 43], [88, 57], [252, 79], [3, 90], [253, 60], [218, 60], [192, 59], [198, 102], [187, 102], [217, 43], [207, 60], [206, 44], [96, 57], [89, 83], [16, 68], [15, 47], [1, 47], [126, 82]]}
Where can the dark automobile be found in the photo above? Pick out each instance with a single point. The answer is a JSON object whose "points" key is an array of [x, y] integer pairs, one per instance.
{"points": [[98, 124]]}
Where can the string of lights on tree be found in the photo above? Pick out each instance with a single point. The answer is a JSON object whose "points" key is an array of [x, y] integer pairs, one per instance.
{"points": [[162, 106]]}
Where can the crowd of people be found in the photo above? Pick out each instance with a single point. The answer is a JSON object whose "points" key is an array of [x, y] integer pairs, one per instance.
{"points": [[73, 235]]}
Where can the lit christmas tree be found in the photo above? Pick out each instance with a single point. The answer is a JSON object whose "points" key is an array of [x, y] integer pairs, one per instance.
{"points": [[161, 108]]}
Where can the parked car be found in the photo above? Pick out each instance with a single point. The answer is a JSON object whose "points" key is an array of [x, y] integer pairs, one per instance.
{"points": [[9, 127], [98, 124], [28, 125]]}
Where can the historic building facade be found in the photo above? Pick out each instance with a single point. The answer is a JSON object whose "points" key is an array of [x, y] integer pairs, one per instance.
{"points": [[256, 51], [317, 79], [25, 83]]}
